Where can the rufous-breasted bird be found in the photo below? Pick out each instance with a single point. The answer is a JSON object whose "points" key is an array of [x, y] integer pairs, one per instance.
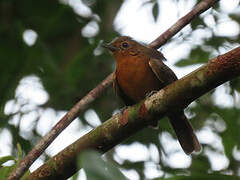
{"points": [[140, 70]]}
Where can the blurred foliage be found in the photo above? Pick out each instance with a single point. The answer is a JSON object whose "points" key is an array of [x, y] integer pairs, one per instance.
{"points": [[96, 168], [69, 63], [6, 170], [198, 55], [203, 177]]}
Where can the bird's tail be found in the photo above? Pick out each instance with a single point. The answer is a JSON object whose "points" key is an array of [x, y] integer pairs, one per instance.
{"points": [[184, 132]]}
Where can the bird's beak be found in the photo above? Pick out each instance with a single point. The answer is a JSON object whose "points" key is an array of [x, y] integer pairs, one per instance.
{"points": [[109, 47]]}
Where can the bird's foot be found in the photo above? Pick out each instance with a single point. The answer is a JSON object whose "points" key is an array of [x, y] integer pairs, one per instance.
{"points": [[150, 93]]}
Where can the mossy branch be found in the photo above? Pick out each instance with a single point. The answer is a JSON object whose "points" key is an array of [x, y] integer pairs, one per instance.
{"points": [[177, 95]]}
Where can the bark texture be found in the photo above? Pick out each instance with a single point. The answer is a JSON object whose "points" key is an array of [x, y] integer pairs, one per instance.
{"points": [[217, 71]]}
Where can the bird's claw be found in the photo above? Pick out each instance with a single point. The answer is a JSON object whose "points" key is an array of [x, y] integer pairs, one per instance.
{"points": [[150, 93]]}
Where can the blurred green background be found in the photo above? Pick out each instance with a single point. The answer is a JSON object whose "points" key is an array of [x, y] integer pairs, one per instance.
{"points": [[50, 57]]}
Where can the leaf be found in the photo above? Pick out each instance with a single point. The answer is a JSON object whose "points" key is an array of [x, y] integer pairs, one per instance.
{"points": [[155, 11], [200, 164], [235, 85], [20, 153], [235, 17], [96, 168], [197, 22], [5, 171], [216, 41], [230, 137], [5, 159], [24, 177]]}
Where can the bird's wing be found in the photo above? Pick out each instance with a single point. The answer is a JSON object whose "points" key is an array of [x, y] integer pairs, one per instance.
{"points": [[179, 122], [118, 90], [163, 72], [156, 54]]}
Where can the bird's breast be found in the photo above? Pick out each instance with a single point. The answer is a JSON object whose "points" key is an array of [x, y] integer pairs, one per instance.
{"points": [[136, 78]]}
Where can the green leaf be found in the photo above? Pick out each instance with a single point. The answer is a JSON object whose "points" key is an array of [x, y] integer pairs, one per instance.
{"points": [[230, 137], [5, 159], [96, 168], [24, 177], [200, 164], [197, 22], [20, 153], [216, 41], [155, 11], [5, 171], [235, 85]]}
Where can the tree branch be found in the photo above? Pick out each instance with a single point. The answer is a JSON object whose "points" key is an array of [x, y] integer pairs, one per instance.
{"points": [[181, 23], [96, 92], [217, 71]]}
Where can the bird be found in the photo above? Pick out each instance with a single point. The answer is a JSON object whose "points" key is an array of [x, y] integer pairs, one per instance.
{"points": [[140, 70]]}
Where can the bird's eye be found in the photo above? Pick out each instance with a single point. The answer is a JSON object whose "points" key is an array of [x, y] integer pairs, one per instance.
{"points": [[125, 45]]}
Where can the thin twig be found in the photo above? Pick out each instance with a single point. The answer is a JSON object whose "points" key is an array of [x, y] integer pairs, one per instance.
{"points": [[185, 20], [60, 126], [96, 92]]}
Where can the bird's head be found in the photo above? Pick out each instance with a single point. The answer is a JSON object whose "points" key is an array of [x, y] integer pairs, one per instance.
{"points": [[123, 46]]}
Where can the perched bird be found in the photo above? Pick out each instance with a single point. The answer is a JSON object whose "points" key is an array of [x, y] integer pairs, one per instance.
{"points": [[140, 70]]}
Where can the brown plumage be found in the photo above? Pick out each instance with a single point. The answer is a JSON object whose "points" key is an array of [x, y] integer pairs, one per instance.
{"points": [[140, 70]]}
